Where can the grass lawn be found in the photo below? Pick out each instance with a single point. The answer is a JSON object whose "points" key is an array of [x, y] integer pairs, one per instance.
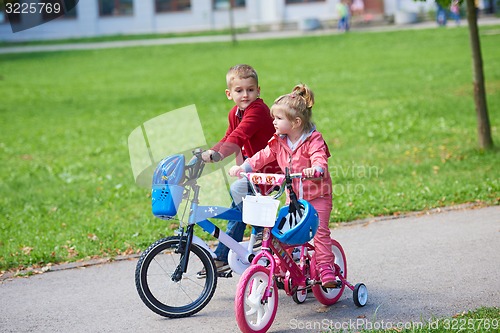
{"points": [[396, 109]]}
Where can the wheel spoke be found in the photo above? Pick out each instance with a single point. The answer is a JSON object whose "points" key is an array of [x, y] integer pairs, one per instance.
{"points": [[260, 315], [251, 311]]}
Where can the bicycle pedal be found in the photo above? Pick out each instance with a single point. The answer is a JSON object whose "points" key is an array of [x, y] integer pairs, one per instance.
{"points": [[338, 285]]}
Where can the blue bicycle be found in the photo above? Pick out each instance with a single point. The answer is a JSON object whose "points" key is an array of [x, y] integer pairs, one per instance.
{"points": [[167, 274]]}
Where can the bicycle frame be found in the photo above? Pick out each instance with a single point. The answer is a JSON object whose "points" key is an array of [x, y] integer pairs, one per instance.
{"points": [[199, 215], [297, 275], [206, 212]]}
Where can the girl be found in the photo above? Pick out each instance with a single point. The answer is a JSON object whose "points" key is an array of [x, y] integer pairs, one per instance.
{"points": [[298, 146]]}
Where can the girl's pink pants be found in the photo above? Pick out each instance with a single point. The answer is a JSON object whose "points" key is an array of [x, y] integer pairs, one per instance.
{"points": [[322, 239]]}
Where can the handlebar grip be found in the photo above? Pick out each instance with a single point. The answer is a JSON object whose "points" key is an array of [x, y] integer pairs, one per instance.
{"points": [[216, 157], [317, 174]]}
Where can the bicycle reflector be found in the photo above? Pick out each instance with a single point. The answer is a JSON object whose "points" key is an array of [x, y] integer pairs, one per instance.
{"points": [[296, 224], [166, 193]]}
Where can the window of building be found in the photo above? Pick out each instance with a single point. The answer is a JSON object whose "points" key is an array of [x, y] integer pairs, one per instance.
{"points": [[163, 6], [224, 4], [302, 1], [116, 7]]}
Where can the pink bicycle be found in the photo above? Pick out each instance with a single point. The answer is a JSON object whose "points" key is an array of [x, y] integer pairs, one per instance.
{"points": [[286, 260]]}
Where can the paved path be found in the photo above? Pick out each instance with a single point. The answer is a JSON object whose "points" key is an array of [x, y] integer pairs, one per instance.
{"points": [[488, 20], [415, 268]]}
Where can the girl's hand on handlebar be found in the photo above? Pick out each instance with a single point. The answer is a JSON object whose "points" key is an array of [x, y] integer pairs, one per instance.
{"points": [[308, 172], [235, 171], [312, 173]]}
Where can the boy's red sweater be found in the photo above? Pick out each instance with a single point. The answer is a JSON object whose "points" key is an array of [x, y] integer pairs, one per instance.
{"points": [[248, 134]]}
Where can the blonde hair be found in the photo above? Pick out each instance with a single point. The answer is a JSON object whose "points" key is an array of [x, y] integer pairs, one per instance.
{"points": [[297, 104], [241, 72]]}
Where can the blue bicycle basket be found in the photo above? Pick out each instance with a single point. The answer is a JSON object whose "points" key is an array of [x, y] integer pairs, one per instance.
{"points": [[166, 194], [296, 226]]}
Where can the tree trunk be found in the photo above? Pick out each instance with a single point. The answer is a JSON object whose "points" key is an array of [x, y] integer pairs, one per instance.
{"points": [[483, 122], [231, 23]]}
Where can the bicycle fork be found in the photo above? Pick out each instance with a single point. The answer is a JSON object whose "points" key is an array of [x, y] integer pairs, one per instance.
{"points": [[272, 265], [185, 242]]}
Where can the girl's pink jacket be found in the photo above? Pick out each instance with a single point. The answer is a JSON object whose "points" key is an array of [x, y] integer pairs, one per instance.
{"points": [[312, 152]]}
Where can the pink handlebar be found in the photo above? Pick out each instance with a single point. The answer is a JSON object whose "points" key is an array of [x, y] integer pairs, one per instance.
{"points": [[264, 178], [273, 178]]}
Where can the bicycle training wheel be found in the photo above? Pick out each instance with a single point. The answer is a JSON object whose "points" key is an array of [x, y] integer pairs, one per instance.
{"points": [[252, 314], [329, 296], [162, 292], [360, 294]]}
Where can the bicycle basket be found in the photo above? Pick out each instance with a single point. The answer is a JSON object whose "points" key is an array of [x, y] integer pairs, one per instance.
{"points": [[166, 194], [296, 226], [259, 210]]}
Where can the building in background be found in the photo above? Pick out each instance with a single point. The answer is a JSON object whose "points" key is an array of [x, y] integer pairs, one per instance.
{"points": [[93, 18]]}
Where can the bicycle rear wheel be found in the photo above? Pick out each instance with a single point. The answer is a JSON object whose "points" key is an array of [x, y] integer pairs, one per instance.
{"points": [[252, 314], [329, 296], [159, 290]]}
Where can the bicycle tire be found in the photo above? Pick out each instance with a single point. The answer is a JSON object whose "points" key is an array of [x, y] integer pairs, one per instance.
{"points": [[153, 279], [329, 296], [252, 315]]}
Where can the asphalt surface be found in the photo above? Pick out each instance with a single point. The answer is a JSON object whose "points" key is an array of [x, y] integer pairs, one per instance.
{"points": [[416, 268]]}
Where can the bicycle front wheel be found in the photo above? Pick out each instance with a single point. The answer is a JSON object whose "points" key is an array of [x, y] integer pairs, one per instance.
{"points": [[162, 292], [253, 314]]}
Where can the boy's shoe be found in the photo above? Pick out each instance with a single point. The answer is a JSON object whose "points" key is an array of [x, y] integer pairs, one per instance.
{"points": [[327, 276], [220, 265], [258, 240]]}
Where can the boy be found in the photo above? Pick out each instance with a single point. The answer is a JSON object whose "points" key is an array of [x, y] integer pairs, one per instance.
{"points": [[250, 127]]}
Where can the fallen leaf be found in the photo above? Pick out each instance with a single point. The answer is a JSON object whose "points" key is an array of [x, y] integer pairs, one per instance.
{"points": [[322, 309], [92, 237], [128, 251], [27, 250]]}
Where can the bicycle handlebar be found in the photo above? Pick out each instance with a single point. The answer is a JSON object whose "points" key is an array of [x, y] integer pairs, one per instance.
{"points": [[272, 179], [215, 156], [195, 166], [275, 179]]}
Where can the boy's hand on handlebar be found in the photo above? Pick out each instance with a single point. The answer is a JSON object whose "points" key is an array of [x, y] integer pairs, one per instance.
{"points": [[206, 156], [209, 156], [235, 171]]}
